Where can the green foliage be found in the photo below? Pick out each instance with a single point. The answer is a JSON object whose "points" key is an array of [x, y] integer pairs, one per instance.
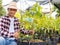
{"points": [[29, 17], [2, 10], [33, 19], [58, 13]]}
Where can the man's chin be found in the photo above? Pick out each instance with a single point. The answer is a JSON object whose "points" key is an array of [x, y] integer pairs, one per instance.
{"points": [[11, 16]]}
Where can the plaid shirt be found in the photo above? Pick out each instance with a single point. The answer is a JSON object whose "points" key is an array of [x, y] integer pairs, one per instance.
{"points": [[5, 24]]}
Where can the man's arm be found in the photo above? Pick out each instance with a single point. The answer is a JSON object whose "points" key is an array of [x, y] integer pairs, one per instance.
{"points": [[3, 32], [23, 31]]}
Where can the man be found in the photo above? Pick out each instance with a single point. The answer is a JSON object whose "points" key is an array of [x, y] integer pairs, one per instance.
{"points": [[9, 26]]}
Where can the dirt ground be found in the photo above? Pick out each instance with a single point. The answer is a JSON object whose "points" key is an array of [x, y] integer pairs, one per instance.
{"points": [[58, 44]]}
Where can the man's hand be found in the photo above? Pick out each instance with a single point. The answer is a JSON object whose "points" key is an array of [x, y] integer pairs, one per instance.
{"points": [[16, 35], [31, 32]]}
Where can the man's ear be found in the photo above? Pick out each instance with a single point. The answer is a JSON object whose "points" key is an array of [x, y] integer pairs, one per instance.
{"points": [[7, 9]]}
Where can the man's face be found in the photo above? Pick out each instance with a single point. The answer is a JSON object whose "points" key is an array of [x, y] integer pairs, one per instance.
{"points": [[11, 12]]}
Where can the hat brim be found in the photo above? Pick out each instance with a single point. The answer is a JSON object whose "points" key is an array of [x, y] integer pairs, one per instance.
{"points": [[12, 7]]}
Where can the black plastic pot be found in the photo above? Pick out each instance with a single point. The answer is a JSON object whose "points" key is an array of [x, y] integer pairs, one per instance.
{"points": [[39, 43], [32, 43]]}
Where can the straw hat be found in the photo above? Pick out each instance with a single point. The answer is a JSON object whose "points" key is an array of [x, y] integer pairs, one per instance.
{"points": [[13, 5]]}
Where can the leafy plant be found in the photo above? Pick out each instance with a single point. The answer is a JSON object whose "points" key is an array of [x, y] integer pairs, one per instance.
{"points": [[33, 19], [2, 10]]}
